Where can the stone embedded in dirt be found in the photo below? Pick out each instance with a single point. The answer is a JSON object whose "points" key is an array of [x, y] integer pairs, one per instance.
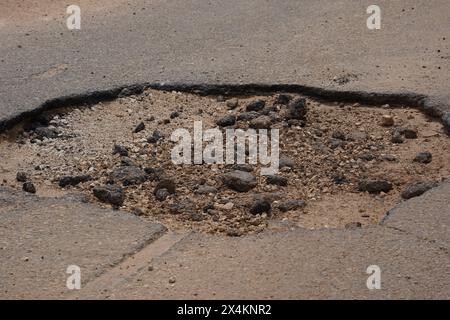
{"points": [[110, 193], [446, 121], [291, 205], [240, 181], [196, 216], [277, 180], [162, 194], [335, 143], [21, 176], [261, 122], [137, 212], [29, 187], [260, 206], [128, 175], [268, 196], [257, 105], [286, 162], [166, 183], [353, 225], [183, 206], [387, 120], [367, 157], [297, 109], [408, 133], [388, 157], [127, 162], [73, 180], [357, 136], [46, 132], [423, 157], [243, 167], [338, 134], [247, 116], [174, 115], [155, 137], [205, 189], [416, 189], [232, 103], [397, 138], [282, 99], [233, 232], [120, 150], [226, 121], [339, 179], [154, 174], [374, 186], [172, 280], [139, 127]]}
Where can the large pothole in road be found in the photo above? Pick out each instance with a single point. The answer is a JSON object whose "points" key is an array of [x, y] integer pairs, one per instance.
{"points": [[341, 164]]}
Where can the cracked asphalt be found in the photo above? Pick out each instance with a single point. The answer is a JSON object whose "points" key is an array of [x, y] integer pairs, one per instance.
{"points": [[305, 42]]}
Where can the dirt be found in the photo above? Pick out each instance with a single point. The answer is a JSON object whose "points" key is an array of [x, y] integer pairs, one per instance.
{"points": [[326, 178]]}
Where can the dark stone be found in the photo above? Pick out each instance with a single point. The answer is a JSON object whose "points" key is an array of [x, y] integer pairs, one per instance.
{"points": [[423, 157], [174, 115], [357, 136], [233, 232], [73, 180], [291, 205], [120, 150], [374, 186], [297, 109], [110, 194], [397, 138], [256, 105], [166, 183], [338, 135], [129, 175], [285, 161], [446, 121], [277, 180], [226, 121], [408, 133], [29, 187], [339, 179], [197, 216], [21, 176], [335, 143], [367, 156], [127, 162], [261, 122], [282, 99], [247, 116], [46, 132], [155, 137], [205, 189], [139, 127], [154, 174], [240, 181], [161, 194], [417, 189], [260, 206]]}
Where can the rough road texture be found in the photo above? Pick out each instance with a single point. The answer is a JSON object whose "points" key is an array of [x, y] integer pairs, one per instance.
{"points": [[40, 238], [324, 44], [302, 264]]}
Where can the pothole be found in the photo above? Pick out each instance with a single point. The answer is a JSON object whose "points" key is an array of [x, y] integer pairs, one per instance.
{"points": [[343, 165]]}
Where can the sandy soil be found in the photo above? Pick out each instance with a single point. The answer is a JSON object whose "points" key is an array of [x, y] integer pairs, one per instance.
{"points": [[87, 137]]}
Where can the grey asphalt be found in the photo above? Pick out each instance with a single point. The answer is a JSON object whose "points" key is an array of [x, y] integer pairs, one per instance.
{"points": [[193, 41], [291, 42]]}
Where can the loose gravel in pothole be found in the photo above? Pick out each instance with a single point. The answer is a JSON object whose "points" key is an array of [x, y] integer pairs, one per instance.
{"points": [[342, 165]]}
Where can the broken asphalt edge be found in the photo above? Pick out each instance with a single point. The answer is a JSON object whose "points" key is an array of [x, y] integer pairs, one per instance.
{"points": [[433, 106]]}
